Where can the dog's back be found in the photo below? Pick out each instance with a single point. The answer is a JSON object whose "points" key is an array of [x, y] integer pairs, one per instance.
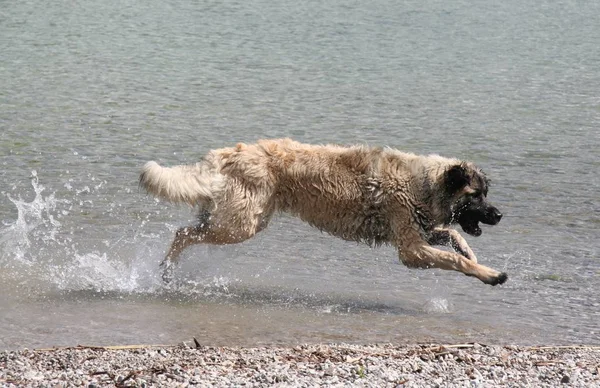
{"points": [[327, 186], [330, 187]]}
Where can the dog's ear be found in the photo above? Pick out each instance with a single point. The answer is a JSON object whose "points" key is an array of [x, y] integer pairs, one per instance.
{"points": [[456, 177]]}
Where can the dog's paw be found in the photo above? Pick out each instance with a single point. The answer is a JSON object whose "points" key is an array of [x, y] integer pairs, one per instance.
{"points": [[500, 279]]}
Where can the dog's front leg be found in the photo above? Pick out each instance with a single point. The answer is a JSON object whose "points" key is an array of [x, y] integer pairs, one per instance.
{"points": [[440, 236], [415, 252], [425, 256]]}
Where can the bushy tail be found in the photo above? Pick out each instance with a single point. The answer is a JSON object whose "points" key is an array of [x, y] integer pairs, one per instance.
{"points": [[191, 184]]}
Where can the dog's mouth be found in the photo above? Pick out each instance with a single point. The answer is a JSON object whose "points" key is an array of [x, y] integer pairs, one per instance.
{"points": [[469, 219], [471, 227]]}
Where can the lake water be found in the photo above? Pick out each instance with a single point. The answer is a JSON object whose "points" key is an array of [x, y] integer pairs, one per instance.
{"points": [[91, 90]]}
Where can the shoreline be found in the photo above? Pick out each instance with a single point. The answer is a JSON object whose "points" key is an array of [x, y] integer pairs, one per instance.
{"points": [[452, 365]]}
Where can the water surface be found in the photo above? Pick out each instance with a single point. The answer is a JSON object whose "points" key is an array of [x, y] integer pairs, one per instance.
{"points": [[92, 90]]}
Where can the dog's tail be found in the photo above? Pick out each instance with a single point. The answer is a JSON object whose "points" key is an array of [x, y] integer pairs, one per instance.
{"points": [[192, 184]]}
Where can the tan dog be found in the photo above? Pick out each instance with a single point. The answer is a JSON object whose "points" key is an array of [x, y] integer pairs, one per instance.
{"points": [[358, 193]]}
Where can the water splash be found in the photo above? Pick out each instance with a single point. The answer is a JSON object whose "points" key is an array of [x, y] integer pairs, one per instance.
{"points": [[41, 254], [36, 249], [96, 271], [437, 305], [36, 221]]}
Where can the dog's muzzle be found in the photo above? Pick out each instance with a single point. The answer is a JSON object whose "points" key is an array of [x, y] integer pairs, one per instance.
{"points": [[470, 218]]}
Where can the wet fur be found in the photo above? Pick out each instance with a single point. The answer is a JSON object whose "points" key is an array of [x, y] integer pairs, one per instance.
{"points": [[359, 193]]}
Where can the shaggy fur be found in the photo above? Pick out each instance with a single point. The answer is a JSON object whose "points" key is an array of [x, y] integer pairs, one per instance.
{"points": [[365, 194]]}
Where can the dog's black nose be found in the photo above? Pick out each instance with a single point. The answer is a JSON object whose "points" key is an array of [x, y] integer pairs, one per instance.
{"points": [[497, 216], [492, 216]]}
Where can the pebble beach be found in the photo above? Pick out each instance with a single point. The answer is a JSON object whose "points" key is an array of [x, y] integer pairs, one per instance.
{"points": [[338, 365]]}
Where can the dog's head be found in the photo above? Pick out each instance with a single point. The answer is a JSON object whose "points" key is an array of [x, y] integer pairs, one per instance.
{"points": [[467, 188]]}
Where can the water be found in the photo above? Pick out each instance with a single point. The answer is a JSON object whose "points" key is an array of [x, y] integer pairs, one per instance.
{"points": [[92, 90]]}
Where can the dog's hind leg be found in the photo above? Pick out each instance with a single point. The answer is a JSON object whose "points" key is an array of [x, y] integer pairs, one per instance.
{"points": [[451, 237], [211, 232], [184, 237], [189, 235]]}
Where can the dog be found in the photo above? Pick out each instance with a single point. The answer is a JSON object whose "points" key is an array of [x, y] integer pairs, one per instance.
{"points": [[365, 194]]}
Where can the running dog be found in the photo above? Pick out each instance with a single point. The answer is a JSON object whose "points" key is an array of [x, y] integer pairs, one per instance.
{"points": [[365, 194]]}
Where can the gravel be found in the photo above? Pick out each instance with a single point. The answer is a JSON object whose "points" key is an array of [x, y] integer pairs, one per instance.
{"points": [[339, 365]]}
